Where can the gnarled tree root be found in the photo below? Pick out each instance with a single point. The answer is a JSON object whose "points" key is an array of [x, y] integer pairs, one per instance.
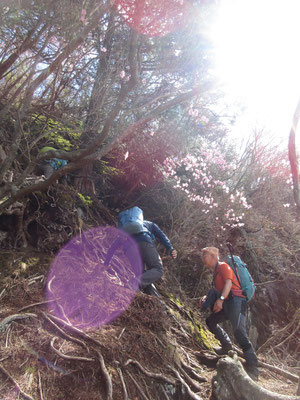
{"points": [[151, 374], [6, 321], [232, 382]]}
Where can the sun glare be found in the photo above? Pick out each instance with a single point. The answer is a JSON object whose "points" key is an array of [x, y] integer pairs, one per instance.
{"points": [[257, 59]]}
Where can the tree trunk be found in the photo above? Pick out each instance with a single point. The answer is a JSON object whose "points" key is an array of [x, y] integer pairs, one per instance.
{"points": [[294, 158], [83, 180], [232, 382]]}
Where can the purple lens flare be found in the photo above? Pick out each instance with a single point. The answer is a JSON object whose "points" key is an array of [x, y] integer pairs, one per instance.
{"points": [[94, 277]]}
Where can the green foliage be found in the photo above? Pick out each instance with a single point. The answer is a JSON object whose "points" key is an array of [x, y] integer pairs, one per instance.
{"points": [[63, 136], [30, 370], [105, 168], [175, 299], [86, 200], [203, 337]]}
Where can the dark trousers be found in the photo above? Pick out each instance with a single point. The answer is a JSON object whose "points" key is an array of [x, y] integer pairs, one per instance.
{"points": [[45, 169], [233, 310], [153, 267]]}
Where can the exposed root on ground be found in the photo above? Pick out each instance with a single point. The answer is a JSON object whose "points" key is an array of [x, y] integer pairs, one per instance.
{"points": [[152, 352], [154, 375]]}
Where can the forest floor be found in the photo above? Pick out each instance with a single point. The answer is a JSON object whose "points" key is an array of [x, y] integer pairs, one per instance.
{"points": [[46, 358]]}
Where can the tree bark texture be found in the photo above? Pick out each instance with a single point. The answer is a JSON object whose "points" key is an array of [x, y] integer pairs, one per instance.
{"points": [[232, 382], [293, 157]]}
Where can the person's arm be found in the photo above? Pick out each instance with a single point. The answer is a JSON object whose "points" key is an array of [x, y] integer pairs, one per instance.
{"points": [[162, 238], [225, 292]]}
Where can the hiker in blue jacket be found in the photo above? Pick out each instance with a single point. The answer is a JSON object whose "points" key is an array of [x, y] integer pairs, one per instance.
{"points": [[150, 256], [144, 235]]}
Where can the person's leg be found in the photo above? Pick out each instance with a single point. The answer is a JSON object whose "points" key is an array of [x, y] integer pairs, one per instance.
{"points": [[236, 312], [47, 170], [152, 261], [213, 322]]}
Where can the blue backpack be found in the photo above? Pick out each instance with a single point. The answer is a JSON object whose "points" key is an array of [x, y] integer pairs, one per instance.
{"points": [[242, 275], [131, 221], [57, 163]]}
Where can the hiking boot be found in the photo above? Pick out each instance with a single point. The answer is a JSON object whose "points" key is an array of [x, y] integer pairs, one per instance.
{"points": [[252, 371], [151, 290], [221, 351]]}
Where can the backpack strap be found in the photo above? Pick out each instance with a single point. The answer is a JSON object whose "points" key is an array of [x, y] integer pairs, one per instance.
{"points": [[216, 271], [235, 292], [229, 245]]}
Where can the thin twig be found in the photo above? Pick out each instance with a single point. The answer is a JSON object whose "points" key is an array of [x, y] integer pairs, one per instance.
{"points": [[138, 386], [7, 336], [125, 396], [36, 304], [40, 386], [25, 395], [288, 337], [49, 284], [123, 330], [2, 292], [63, 313]]}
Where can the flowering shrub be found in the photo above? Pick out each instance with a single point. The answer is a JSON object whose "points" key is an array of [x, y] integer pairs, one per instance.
{"points": [[205, 180]]}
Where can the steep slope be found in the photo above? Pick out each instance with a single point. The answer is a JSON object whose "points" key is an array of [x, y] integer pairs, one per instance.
{"points": [[158, 348]]}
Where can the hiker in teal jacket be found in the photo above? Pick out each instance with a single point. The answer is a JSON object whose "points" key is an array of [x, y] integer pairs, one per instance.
{"points": [[49, 166]]}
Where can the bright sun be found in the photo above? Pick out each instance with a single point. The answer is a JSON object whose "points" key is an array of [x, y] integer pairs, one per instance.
{"points": [[258, 59]]}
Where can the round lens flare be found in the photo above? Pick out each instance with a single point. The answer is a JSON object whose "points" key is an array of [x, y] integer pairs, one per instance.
{"points": [[153, 17], [94, 278]]}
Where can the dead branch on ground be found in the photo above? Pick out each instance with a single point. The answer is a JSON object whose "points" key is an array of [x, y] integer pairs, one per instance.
{"points": [[65, 356]]}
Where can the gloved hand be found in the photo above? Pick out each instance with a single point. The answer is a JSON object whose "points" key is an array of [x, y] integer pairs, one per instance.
{"points": [[174, 254], [202, 300]]}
